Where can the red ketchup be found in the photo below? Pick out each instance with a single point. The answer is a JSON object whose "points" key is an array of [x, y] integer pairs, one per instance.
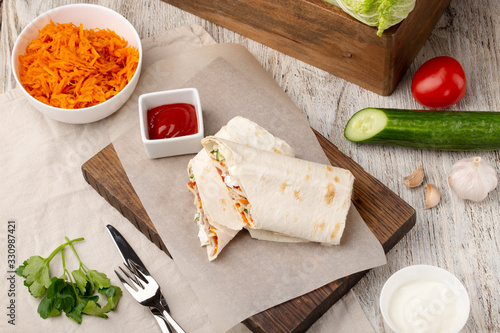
{"points": [[172, 120]]}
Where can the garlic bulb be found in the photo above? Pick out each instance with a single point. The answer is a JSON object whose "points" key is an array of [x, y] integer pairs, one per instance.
{"points": [[472, 178]]}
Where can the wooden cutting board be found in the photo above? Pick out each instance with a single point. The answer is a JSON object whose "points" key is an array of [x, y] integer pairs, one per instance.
{"points": [[387, 215]]}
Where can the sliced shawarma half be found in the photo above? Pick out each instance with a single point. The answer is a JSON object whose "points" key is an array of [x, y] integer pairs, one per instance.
{"points": [[211, 234], [217, 217], [282, 194]]}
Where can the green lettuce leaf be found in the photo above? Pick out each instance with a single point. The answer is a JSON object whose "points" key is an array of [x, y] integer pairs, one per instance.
{"points": [[377, 13]]}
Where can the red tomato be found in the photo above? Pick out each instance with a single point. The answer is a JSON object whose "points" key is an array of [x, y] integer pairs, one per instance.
{"points": [[438, 83]]}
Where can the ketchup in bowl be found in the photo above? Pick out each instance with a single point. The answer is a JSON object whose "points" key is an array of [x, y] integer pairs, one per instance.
{"points": [[171, 120]]}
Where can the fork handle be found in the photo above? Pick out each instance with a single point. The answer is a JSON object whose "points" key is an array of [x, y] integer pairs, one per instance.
{"points": [[165, 321], [161, 321], [171, 322]]}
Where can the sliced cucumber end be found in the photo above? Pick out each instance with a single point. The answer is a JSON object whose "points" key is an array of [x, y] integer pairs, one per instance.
{"points": [[365, 124]]}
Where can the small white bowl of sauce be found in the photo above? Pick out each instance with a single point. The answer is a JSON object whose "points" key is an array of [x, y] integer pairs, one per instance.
{"points": [[424, 299], [171, 122]]}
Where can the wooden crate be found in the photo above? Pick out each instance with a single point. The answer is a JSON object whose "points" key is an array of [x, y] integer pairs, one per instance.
{"points": [[322, 35]]}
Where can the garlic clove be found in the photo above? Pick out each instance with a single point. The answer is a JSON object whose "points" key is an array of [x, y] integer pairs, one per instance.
{"points": [[472, 178], [432, 196], [415, 179]]}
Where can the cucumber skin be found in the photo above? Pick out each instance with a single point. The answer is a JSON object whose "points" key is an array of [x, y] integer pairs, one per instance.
{"points": [[439, 130]]}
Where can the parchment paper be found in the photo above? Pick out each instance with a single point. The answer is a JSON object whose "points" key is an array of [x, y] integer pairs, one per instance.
{"points": [[44, 192], [249, 276]]}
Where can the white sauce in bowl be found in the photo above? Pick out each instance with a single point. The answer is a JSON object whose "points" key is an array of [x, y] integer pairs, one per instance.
{"points": [[424, 306], [424, 299]]}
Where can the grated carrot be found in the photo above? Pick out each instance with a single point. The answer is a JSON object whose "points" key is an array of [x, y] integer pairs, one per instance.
{"points": [[243, 201], [69, 67]]}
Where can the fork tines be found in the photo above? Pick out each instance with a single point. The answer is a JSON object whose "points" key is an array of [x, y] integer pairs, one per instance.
{"points": [[134, 275]]}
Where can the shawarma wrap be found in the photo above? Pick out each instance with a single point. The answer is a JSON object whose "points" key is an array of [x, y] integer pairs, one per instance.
{"points": [[217, 217], [282, 194]]}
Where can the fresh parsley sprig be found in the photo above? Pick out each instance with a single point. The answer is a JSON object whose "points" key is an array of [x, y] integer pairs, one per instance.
{"points": [[72, 293]]}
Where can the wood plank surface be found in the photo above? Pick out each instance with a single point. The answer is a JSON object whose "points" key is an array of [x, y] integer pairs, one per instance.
{"points": [[388, 216], [324, 36], [460, 236]]}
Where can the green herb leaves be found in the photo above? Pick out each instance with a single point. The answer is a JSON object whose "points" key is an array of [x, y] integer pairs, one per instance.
{"points": [[80, 280], [60, 297], [99, 280], [36, 272], [73, 294]]}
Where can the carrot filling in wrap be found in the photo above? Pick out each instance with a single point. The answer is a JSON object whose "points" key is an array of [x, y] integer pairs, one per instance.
{"points": [[206, 232], [235, 191]]}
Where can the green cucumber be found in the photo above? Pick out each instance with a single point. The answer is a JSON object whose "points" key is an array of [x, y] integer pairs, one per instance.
{"points": [[438, 130]]}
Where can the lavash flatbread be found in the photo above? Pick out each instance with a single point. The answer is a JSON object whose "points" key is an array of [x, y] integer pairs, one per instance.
{"points": [[271, 236], [285, 195], [217, 218]]}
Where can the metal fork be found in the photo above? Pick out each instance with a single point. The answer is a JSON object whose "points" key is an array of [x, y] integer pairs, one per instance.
{"points": [[146, 291]]}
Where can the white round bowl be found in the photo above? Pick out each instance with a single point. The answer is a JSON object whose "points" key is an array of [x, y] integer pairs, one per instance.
{"points": [[424, 298], [91, 17]]}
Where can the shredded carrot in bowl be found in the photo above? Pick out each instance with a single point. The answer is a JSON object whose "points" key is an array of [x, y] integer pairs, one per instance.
{"points": [[70, 67]]}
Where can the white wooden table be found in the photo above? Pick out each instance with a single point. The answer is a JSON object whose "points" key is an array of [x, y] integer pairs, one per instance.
{"points": [[462, 237]]}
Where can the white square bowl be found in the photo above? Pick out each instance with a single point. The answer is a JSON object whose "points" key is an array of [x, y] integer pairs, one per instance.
{"points": [[181, 145]]}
